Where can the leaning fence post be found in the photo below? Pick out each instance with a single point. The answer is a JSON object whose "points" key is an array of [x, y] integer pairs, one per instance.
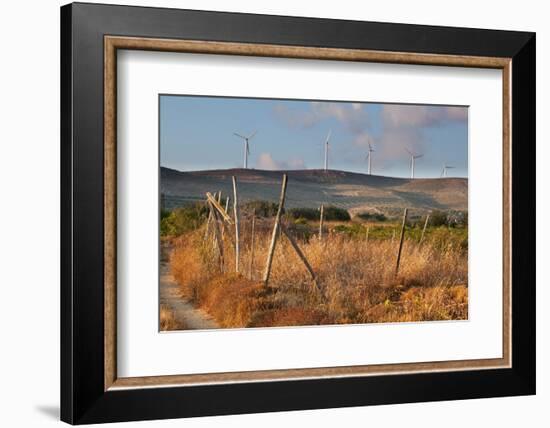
{"points": [[321, 215], [301, 255], [401, 241], [251, 266], [226, 207], [275, 233], [424, 229], [217, 234], [208, 221], [236, 214]]}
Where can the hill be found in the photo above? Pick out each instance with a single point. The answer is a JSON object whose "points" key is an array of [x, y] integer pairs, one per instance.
{"points": [[309, 188]]}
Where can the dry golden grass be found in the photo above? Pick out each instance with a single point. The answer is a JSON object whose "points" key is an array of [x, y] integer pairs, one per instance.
{"points": [[168, 321], [357, 280]]}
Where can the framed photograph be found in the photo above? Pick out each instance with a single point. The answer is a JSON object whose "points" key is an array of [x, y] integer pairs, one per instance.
{"points": [[266, 213]]}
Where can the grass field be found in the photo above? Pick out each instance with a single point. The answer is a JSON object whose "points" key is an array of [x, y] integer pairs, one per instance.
{"points": [[354, 265]]}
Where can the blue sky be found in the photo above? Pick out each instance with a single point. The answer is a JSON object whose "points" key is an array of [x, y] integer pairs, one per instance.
{"points": [[196, 133]]}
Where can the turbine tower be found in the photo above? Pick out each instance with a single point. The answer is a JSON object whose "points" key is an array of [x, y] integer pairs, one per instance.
{"points": [[369, 157], [413, 156], [246, 146], [326, 150], [444, 170]]}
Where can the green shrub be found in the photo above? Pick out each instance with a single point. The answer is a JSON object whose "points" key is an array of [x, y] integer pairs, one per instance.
{"points": [[372, 216], [304, 213], [336, 214], [438, 218], [182, 220], [330, 213], [262, 208]]}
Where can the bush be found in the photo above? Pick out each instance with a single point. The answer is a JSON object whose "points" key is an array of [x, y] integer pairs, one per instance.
{"points": [[438, 218], [304, 213], [336, 214], [372, 216], [263, 208], [182, 220], [330, 213]]}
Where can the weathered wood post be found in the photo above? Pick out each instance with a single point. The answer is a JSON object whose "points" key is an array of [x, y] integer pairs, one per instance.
{"points": [[218, 208], [424, 228], [401, 240], [226, 208], [301, 256], [236, 214], [210, 217], [208, 221], [217, 235], [321, 218], [251, 264], [275, 233], [226, 204], [367, 235]]}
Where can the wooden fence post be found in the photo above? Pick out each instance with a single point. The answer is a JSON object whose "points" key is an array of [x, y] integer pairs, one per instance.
{"points": [[275, 234], [321, 217], [226, 204], [251, 265], [401, 241], [218, 208], [367, 235], [217, 234], [301, 256], [208, 221], [424, 229], [236, 214], [225, 208]]}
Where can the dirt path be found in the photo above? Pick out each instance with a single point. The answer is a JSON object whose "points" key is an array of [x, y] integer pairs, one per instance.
{"points": [[184, 311]]}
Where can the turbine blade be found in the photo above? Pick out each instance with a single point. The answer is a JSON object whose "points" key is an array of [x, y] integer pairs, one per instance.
{"points": [[239, 135], [328, 135], [252, 135]]}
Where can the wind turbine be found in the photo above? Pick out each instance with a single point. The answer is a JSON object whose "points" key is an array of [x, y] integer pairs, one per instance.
{"points": [[246, 146], [326, 150], [413, 158], [369, 157], [444, 170]]}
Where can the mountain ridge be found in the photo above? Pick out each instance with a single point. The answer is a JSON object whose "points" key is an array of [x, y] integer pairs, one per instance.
{"points": [[311, 187]]}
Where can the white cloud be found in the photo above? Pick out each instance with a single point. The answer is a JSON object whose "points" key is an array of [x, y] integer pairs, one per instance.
{"points": [[351, 115], [401, 115], [266, 161]]}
